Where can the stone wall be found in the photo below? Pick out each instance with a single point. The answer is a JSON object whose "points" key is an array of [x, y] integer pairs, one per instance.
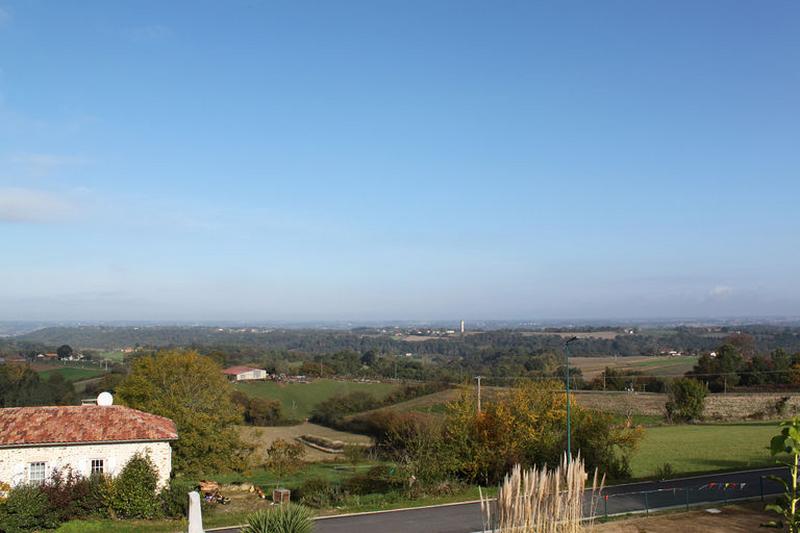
{"points": [[15, 462]]}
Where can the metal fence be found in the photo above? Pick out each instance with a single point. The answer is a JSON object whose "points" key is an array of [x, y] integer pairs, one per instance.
{"points": [[612, 503]]}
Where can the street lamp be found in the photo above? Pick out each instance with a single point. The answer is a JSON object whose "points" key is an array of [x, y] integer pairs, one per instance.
{"points": [[569, 426]]}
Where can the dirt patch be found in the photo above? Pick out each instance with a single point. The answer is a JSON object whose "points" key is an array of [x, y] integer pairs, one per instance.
{"points": [[262, 438], [623, 403], [731, 519], [765, 406], [719, 407]]}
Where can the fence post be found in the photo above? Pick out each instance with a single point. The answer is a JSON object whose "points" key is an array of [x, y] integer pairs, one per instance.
{"points": [[761, 483], [686, 490], [646, 505], [605, 505]]}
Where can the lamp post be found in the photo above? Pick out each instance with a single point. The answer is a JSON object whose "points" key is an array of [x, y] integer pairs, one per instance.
{"points": [[569, 424]]}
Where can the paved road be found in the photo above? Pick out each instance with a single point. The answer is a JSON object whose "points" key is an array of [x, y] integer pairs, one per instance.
{"points": [[466, 518]]}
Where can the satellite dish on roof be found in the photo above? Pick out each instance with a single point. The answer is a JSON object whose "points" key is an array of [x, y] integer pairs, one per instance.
{"points": [[105, 399]]}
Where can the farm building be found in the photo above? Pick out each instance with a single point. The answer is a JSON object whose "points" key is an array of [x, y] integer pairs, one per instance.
{"points": [[35, 441], [244, 373]]}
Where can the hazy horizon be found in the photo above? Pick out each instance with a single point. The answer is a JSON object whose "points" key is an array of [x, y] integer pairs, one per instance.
{"points": [[258, 161]]}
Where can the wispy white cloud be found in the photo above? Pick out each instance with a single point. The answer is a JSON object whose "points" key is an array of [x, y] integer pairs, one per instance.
{"points": [[5, 16], [19, 205]]}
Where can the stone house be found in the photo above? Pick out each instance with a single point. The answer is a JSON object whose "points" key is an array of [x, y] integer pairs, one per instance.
{"points": [[87, 439]]}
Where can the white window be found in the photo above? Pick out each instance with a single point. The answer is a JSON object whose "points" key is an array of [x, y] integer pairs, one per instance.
{"points": [[36, 472], [97, 466]]}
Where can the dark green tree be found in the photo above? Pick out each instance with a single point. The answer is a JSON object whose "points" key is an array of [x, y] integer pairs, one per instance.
{"points": [[64, 351], [686, 400], [191, 390]]}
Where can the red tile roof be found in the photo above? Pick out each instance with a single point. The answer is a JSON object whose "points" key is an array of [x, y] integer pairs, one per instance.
{"points": [[21, 426], [234, 370]]}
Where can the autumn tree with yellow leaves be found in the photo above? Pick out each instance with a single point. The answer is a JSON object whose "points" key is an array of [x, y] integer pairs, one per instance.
{"points": [[526, 426]]}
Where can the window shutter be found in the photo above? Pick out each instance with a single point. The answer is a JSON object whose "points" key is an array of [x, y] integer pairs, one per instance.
{"points": [[19, 474]]}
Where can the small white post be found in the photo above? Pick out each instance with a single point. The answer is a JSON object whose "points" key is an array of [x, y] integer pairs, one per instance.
{"points": [[195, 515]]}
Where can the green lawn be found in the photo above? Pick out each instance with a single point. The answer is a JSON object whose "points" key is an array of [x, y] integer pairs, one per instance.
{"points": [[639, 420], [71, 373], [124, 526], [704, 448], [299, 399]]}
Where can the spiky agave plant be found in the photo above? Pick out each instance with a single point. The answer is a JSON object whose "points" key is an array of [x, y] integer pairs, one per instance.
{"points": [[288, 518], [541, 500]]}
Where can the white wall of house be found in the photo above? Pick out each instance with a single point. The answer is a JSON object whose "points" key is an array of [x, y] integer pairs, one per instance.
{"points": [[15, 463], [256, 373]]}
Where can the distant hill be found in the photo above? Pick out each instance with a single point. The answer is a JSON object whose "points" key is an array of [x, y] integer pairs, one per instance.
{"points": [[591, 344]]}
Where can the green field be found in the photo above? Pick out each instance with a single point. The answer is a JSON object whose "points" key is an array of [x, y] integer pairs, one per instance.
{"points": [[299, 399], [71, 373], [704, 448], [678, 365], [113, 355], [659, 365]]}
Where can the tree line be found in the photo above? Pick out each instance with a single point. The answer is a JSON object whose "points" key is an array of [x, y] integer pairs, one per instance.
{"points": [[643, 342]]}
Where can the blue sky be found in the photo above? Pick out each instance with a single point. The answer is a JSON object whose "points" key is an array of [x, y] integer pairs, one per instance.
{"points": [[257, 160]]}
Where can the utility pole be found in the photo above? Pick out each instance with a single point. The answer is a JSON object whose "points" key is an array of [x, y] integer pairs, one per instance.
{"points": [[395, 369], [569, 424], [479, 393]]}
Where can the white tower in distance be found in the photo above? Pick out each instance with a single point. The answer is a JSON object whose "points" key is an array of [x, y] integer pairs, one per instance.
{"points": [[462, 327]]}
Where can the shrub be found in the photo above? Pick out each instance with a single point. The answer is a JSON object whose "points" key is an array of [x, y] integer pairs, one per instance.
{"points": [[665, 471], [604, 444], [288, 518], [259, 411], [75, 496], [319, 493], [354, 454], [59, 488], [263, 412], [94, 496], [378, 480], [686, 400], [781, 405], [284, 457], [175, 498], [134, 491], [27, 508]]}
